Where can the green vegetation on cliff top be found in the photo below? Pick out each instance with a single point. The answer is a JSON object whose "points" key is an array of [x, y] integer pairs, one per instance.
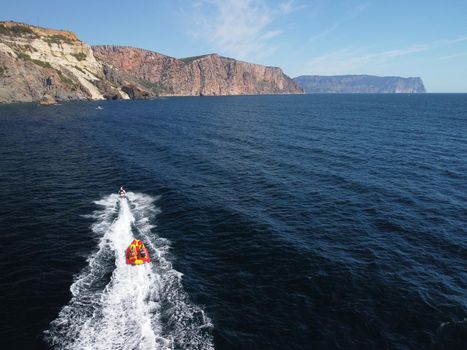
{"points": [[16, 30], [57, 39]]}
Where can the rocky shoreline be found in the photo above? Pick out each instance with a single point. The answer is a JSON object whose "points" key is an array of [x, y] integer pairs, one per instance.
{"points": [[39, 64]]}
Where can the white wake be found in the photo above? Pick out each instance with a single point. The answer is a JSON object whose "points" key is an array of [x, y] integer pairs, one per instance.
{"points": [[119, 306]]}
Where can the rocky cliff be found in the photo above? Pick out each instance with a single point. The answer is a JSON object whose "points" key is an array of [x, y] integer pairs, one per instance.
{"points": [[38, 64], [359, 84], [206, 75]]}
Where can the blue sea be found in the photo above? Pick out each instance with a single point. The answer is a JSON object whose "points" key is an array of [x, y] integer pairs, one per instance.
{"points": [[273, 222]]}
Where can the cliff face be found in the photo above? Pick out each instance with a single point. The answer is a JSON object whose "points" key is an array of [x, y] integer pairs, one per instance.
{"points": [[37, 62], [203, 75], [359, 84]]}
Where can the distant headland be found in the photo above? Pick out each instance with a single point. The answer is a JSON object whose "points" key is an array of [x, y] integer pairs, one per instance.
{"points": [[359, 84]]}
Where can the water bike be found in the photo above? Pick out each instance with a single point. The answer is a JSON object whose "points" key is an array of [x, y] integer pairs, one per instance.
{"points": [[122, 192]]}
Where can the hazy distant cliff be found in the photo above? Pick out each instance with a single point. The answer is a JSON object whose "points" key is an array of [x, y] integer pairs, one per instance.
{"points": [[202, 75], [46, 64], [359, 84]]}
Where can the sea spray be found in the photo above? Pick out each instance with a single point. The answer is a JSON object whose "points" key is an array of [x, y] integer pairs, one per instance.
{"points": [[119, 306]]}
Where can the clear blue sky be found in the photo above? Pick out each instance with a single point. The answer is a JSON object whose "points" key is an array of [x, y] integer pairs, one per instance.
{"points": [[407, 38]]}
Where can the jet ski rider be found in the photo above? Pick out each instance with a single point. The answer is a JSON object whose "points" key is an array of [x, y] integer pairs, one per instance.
{"points": [[121, 191]]}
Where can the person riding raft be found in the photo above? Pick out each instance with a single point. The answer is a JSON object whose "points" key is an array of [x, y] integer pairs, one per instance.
{"points": [[137, 253]]}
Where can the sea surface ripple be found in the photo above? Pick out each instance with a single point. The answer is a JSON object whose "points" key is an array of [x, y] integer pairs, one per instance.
{"points": [[281, 222]]}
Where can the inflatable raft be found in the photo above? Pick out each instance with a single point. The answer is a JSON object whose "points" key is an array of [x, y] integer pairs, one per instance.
{"points": [[137, 253]]}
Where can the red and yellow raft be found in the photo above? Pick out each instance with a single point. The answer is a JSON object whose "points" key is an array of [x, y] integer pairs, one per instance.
{"points": [[137, 253]]}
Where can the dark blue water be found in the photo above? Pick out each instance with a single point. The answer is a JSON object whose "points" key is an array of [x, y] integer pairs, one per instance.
{"points": [[297, 222]]}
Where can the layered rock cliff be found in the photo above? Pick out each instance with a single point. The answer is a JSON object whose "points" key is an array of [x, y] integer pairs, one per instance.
{"points": [[359, 84], [38, 64], [206, 75]]}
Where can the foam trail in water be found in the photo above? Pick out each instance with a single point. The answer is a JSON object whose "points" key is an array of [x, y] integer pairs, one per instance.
{"points": [[119, 306]]}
